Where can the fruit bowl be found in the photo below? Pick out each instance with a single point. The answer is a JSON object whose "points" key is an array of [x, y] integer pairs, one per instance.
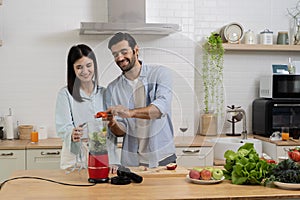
{"points": [[206, 175], [199, 181]]}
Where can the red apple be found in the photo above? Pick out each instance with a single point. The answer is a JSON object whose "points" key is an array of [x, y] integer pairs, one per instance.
{"points": [[205, 174], [171, 166], [194, 174]]}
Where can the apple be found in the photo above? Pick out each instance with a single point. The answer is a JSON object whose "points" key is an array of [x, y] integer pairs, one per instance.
{"points": [[171, 166], [211, 169], [217, 174], [199, 169], [205, 174], [194, 174]]}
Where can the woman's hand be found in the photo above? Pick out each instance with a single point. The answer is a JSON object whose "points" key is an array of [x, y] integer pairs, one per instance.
{"points": [[77, 134]]}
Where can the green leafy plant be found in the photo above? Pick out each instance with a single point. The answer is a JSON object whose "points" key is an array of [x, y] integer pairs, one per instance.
{"points": [[244, 167], [287, 171], [212, 73], [97, 143]]}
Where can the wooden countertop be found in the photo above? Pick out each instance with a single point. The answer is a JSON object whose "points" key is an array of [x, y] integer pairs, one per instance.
{"points": [[151, 188], [180, 141], [290, 142], [50, 143]]}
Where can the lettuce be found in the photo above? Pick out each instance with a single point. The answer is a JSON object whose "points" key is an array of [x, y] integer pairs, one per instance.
{"points": [[245, 167]]}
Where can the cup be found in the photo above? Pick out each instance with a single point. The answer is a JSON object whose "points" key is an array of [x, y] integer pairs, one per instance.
{"points": [[296, 133], [285, 134], [34, 137], [282, 38]]}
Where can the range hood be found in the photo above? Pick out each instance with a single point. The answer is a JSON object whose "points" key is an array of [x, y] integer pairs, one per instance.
{"points": [[127, 16]]}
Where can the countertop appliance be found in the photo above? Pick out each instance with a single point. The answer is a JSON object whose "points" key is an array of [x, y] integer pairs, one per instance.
{"points": [[269, 115], [280, 86]]}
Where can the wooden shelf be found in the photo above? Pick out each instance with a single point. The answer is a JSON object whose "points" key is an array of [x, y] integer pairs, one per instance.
{"points": [[260, 47]]}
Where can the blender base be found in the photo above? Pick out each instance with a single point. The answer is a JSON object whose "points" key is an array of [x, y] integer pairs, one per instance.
{"points": [[233, 134], [102, 180]]}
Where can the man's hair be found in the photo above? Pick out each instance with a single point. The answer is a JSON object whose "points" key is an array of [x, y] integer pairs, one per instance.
{"points": [[118, 37]]}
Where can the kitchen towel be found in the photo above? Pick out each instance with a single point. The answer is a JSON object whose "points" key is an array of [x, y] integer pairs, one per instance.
{"points": [[9, 127]]}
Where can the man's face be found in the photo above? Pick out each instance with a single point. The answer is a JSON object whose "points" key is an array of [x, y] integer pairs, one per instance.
{"points": [[124, 56]]}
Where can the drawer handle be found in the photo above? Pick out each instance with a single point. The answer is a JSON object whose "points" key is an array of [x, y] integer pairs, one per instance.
{"points": [[49, 153], [7, 154], [190, 151]]}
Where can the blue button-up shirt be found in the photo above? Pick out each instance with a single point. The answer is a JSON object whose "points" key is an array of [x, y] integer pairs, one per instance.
{"points": [[157, 82]]}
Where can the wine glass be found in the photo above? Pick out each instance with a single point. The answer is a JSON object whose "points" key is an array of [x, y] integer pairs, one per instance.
{"points": [[184, 126]]}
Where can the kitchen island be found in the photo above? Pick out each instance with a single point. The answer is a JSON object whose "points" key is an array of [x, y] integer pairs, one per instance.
{"points": [[152, 187]]}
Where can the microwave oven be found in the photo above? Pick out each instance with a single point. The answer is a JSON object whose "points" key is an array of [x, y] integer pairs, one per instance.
{"points": [[280, 86], [269, 115]]}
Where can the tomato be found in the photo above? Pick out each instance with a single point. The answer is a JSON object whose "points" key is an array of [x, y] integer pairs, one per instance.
{"points": [[295, 155], [101, 115], [271, 161]]}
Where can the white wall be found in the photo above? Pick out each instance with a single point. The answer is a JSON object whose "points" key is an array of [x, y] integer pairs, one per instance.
{"points": [[38, 34]]}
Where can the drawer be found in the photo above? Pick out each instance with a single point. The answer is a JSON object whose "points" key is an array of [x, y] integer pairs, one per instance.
{"points": [[43, 158]]}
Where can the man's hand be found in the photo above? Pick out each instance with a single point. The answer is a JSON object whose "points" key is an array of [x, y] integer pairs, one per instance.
{"points": [[120, 111]]}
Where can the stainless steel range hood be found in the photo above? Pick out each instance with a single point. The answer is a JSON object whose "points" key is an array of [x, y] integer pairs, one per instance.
{"points": [[127, 16]]}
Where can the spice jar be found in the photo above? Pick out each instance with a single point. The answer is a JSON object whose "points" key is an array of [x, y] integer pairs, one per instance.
{"points": [[266, 37]]}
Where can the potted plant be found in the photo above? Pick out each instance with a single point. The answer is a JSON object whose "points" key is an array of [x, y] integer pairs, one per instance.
{"points": [[212, 77]]}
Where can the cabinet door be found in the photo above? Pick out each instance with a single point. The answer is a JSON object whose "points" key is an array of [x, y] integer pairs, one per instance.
{"points": [[11, 160], [194, 156], [43, 158]]}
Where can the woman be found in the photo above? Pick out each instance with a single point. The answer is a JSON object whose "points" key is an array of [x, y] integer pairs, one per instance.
{"points": [[78, 102]]}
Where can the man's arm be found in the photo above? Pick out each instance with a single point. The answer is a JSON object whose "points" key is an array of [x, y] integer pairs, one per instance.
{"points": [[149, 112]]}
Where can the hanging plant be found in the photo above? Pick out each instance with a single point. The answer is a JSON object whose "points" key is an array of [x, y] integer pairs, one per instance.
{"points": [[212, 74]]}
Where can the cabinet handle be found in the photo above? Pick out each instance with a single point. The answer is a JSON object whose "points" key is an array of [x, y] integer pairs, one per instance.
{"points": [[190, 151], [7, 154], [49, 153]]}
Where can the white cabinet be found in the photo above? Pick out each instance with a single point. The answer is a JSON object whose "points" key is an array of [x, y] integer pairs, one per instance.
{"points": [[194, 156], [43, 158], [11, 160], [275, 151]]}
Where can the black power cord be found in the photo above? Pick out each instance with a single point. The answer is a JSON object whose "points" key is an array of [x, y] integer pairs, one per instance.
{"points": [[44, 179]]}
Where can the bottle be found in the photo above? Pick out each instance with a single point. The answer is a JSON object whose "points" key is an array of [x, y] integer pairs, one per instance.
{"points": [[291, 67]]}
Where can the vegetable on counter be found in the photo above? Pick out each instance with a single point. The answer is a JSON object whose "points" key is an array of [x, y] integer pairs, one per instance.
{"points": [[286, 171], [244, 167]]}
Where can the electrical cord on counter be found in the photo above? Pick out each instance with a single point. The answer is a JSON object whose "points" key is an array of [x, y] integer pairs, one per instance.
{"points": [[44, 179]]}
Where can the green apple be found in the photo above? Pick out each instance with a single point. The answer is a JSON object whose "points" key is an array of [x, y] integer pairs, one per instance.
{"points": [[211, 169], [217, 174], [199, 169]]}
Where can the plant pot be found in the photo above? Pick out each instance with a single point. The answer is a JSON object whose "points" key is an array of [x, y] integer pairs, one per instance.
{"points": [[98, 168], [209, 124]]}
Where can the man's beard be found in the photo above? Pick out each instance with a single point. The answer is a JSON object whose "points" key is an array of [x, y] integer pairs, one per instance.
{"points": [[130, 65]]}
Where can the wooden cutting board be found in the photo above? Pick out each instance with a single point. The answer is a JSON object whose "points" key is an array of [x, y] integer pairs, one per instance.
{"points": [[161, 171]]}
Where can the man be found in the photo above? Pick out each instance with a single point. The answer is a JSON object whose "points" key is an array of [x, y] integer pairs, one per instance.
{"points": [[140, 99]]}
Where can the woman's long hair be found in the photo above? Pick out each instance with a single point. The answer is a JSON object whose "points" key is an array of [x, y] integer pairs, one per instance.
{"points": [[76, 52]]}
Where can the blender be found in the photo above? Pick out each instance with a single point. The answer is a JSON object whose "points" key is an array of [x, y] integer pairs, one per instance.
{"points": [[98, 164]]}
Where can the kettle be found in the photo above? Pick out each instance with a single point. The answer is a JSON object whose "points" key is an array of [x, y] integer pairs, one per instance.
{"points": [[250, 37]]}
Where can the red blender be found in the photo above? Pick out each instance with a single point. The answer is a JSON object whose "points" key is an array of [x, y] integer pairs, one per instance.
{"points": [[98, 164]]}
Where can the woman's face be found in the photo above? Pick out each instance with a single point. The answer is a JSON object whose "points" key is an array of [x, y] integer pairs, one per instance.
{"points": [[84, 69]]}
